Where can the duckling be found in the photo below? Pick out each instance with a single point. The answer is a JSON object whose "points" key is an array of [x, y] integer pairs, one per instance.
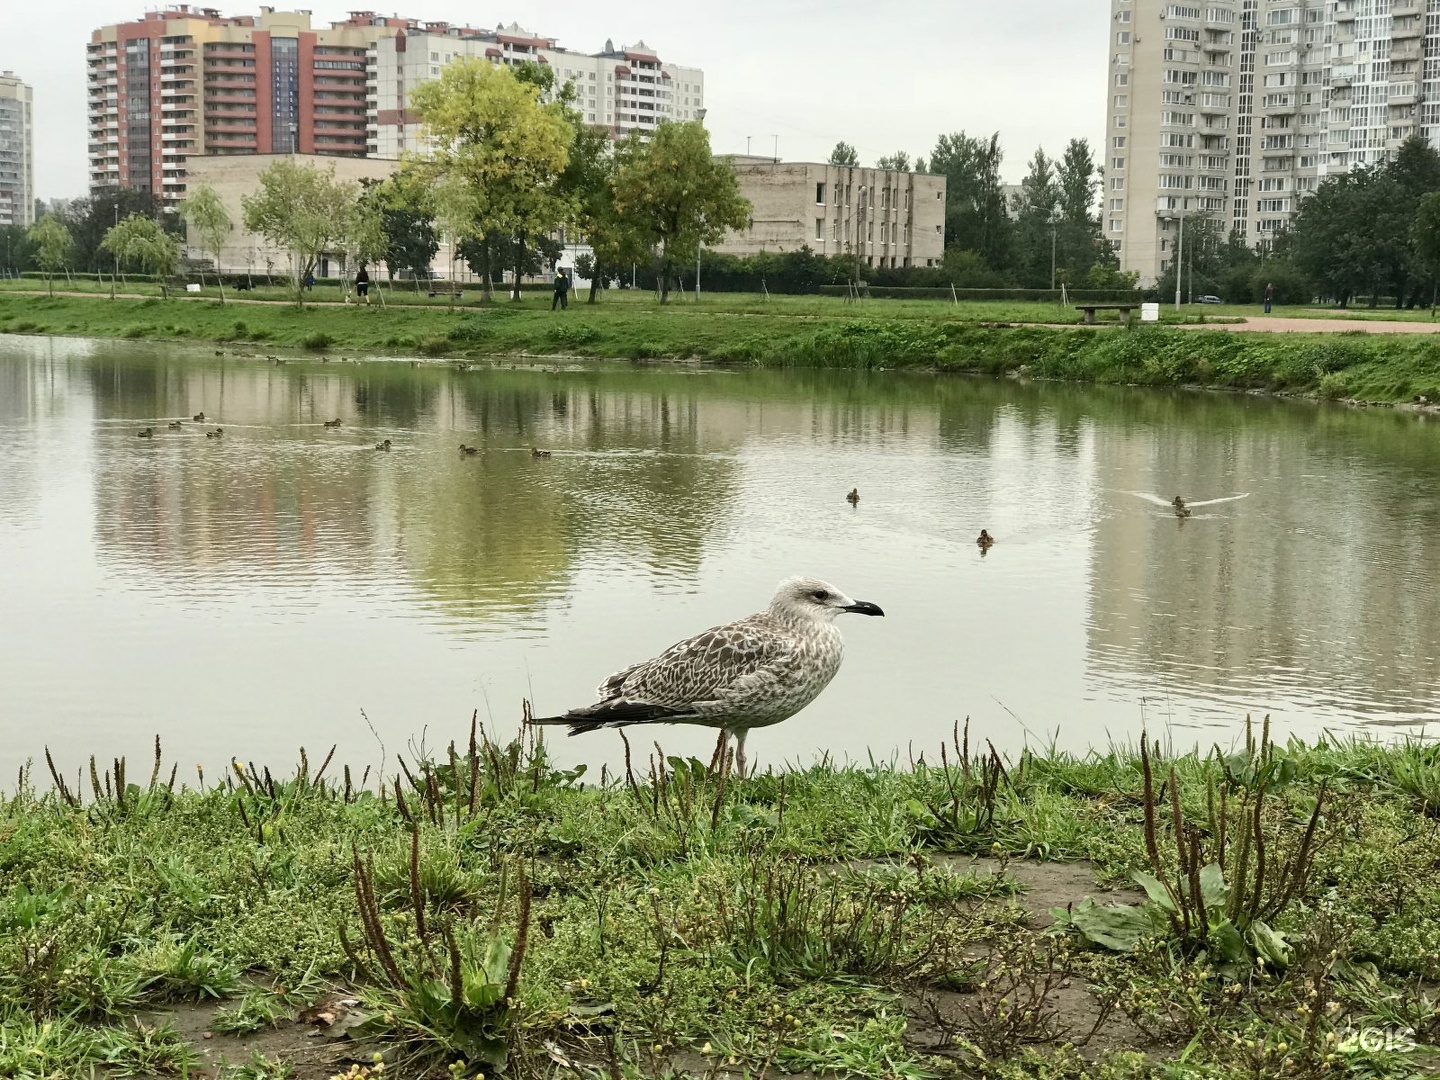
{"points": [[1181, 510], [985, 540], [854, 497], [534, 452], [333, 423], [175, 425], [216, 434], [199, 418], [469, 449], [146, 433], [383, 446]]}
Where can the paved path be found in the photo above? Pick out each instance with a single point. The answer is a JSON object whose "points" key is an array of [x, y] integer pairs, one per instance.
{"points": [[1273, 324]]}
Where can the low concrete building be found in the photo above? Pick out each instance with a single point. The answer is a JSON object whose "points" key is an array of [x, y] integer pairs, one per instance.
{"points": [[883, 216], [233, 176]]}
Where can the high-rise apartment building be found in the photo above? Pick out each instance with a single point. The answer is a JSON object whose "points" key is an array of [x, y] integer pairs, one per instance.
{"points": [[188, 81], [625, 89], [17, 154], [1236, 109]]}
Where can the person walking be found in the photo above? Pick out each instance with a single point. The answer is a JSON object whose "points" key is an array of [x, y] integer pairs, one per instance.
{"points": [[562, 290], [362, 284], [1269, 296]]}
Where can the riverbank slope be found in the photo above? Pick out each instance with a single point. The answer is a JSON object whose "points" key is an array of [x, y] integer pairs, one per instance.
{"points": [[1348, 365], [1270, 912]]}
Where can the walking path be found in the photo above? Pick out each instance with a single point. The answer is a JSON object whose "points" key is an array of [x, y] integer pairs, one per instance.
{"points": [[1274, 324]]}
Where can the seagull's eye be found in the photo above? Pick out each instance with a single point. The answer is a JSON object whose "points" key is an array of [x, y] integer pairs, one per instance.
{"points": [[820, 594]]}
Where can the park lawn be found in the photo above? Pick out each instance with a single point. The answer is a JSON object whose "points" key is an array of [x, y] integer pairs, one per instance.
{"points": [[923, 921]]}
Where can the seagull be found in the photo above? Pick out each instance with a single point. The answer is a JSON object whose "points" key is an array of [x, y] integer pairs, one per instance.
{"points": [[749, 673]]}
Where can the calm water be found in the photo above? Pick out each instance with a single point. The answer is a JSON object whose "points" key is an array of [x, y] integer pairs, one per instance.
{"points": [[255, 593]]}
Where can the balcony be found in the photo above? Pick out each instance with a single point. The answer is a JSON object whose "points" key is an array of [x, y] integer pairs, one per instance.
{"points": [[1342, 76], [1408, 29], [1401, 96], [1345, 13], [1408, 53], [1401, 9]]}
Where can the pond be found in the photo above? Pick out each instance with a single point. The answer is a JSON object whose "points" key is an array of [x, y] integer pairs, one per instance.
{"points": [[287, 584]]}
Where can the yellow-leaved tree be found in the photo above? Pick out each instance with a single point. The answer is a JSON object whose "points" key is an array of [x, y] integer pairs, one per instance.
{"points": [[499, 152]]}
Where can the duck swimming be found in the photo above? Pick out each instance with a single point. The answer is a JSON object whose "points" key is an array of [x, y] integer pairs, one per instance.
{"points": [[199, 418], [854, 497], [145, 433], [216, 434], [535, 452], [1181, 510], [383, 446], [175, 425], [333, 423], [985, 540], [469, 449]]}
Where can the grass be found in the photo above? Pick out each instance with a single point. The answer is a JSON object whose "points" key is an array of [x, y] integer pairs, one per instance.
{"points": [[491, 910], [787, 332]]}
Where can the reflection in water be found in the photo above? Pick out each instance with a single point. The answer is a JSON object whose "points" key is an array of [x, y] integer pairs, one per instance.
{"points": [[251, 594]]}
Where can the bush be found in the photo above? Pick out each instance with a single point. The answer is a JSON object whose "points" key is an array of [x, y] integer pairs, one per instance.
{"points": [[317, 341]]}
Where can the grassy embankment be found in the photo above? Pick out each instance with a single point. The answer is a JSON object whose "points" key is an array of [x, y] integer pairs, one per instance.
{"points": [[486, 907], [805, 331]]}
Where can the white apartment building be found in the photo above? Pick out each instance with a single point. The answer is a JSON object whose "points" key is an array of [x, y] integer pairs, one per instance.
{"points": [[1236, 109], [625, 89], [17, 153]]}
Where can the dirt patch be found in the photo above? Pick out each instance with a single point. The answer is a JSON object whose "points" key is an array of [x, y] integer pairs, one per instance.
{"points": [[1046, 884]]}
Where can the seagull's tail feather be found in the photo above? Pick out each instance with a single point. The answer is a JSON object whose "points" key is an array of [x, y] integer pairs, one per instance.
{"points": [[613, 714]]}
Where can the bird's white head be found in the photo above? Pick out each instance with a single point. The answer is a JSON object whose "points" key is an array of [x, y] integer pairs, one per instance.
{"points": [[816, 600]]}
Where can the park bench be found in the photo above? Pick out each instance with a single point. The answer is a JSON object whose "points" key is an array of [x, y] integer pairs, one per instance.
{"points": [[1090, 309], [452, 289]]}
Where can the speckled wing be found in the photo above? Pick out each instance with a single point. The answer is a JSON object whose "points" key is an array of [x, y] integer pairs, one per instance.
{"points": [[712, 673]]}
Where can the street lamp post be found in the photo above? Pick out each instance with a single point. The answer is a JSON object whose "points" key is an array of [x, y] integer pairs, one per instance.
{"points": [[1054, 225], [1180, 252], [699, 115]]}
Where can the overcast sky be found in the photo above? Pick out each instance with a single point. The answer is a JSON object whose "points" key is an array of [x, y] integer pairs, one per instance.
{"points": [[884, 76]]}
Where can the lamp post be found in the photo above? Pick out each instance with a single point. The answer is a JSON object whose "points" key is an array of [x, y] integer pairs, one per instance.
{"points": [[1054, 225], [1180, 252], [699, 115]]}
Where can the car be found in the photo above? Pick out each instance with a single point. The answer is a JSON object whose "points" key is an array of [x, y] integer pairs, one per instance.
{"points": [[1207, 299]]}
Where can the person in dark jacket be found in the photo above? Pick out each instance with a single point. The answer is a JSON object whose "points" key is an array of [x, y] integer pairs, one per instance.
{"points": [[562, 290], [362, 284], [1269, 296]]}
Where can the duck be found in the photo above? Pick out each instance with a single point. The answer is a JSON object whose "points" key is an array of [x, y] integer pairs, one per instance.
{"points": [[469, 449], [199, 418], [146, 433], [383, 446], [536, 452], [1181, 510], [333, 423], [175, 425], [216, 434], [854, 497], [984, 540]]}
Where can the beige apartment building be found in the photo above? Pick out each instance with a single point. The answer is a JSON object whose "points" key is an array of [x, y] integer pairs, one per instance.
{"points": [[887, 218], [624, 89], [17, 152]]}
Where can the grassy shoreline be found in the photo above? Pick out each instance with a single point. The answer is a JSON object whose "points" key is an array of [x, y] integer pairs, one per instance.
{"points": [[924, 921], [795, 332]]}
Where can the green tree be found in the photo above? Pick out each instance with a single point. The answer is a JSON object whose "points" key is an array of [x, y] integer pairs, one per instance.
{"points": [[304, 212], [14, 250], [975, 214], [1037, 213], [210, 224], [1425, 236], [408, 220], [367, 241], [898, 161], [139, 240], [53, 247], [672, 191], [844, 154], [500, 152], [89, 218]]}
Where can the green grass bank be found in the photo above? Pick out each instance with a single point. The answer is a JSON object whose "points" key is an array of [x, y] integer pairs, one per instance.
{"points": [[1275, 913], [804, 332]]}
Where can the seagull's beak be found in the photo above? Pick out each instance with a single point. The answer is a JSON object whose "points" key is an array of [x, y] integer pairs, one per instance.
{"points": [[864, 607]]}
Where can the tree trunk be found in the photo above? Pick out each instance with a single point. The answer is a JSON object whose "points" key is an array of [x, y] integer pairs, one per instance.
{"points": [[665, 274], [519, 265], [594, 284]]}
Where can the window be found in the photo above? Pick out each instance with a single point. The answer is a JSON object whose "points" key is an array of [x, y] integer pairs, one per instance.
{"points": [[1122, 100], [1117, 163], [1122, 79], [1122, 37], [1118, 142], [819, 228], [1117, 183], [820, 194], [1119, 120], [1117, 205], [1117, 225]]}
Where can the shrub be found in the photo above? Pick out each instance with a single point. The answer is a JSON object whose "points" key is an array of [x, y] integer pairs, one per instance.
{"points": [[317, 341]]}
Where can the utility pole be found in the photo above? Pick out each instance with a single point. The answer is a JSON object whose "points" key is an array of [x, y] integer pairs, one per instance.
{"points": [[1054, 225], [1180, 252]]}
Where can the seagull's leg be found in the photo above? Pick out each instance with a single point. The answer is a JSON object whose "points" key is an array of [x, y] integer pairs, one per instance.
{"points": [[740, 751]]}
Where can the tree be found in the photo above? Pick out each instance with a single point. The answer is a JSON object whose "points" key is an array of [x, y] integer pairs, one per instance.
{"points": [[975, 217], [898, 162], [408, 221], [210, 224], [844, 155], [499, 155], [674, 193], [1037, 208], [138, 239], [303, 211], [53, 247], [14, 250], [367, 239], [89, 218], [1425, 235]]}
